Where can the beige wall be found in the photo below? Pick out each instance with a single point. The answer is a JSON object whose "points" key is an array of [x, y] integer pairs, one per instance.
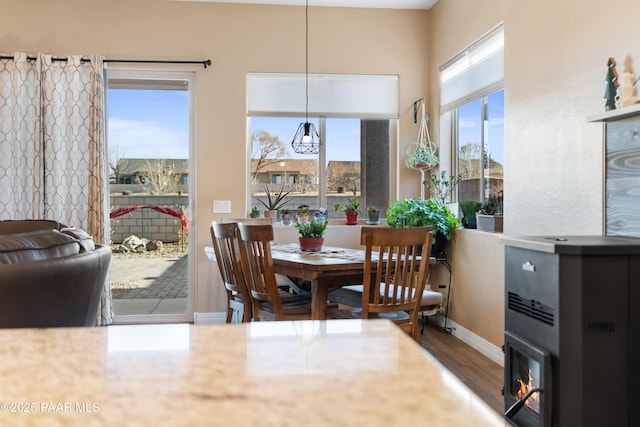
{"points": [[555, 65], [238, 39], [555, 57]]}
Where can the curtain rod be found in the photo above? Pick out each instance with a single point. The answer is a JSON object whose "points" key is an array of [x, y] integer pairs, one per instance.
{"points": [[205, 63]]}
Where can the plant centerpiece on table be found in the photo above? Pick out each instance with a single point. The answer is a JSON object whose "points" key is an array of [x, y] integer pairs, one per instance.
{"points": [[302, 213], [489, 216], [373, 214], [421, 213], [275, 200], [285, 216], [311, 235], [254, 212], [469, 209], [350, 209]]}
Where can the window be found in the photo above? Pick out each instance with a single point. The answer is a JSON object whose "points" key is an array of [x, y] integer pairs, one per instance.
{"points": [[472, 108], [479, 130], [352, 115]]}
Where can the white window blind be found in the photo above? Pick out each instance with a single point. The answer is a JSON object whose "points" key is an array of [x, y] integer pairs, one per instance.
{"points": [[476, 72], [330, 95]]}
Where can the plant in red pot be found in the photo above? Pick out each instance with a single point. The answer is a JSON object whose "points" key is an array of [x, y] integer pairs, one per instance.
{"points": [[311, 233], [350, 210]]}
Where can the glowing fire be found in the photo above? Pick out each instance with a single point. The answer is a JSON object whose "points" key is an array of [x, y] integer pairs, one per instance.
{"points": [[533, 402]]}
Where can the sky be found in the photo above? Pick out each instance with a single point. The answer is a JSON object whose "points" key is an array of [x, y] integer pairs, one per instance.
{"points": [[154, 124], [470, 125], [148, 123]]}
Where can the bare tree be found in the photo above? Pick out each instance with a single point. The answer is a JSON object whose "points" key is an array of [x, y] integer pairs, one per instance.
{"points": [[158, 177], [266, 149], [116, 164], [469, 161], [344, 174]]}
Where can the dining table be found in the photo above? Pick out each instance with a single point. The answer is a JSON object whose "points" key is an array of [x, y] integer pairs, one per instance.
{"points": [[290, 373], [329, 268]]}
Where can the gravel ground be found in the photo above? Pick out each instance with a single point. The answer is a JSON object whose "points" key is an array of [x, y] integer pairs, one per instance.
{"points": [[168, 250], [150, 274]]}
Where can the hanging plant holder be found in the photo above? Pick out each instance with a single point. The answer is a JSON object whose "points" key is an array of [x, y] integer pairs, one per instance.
{"points": [[422, 154]]}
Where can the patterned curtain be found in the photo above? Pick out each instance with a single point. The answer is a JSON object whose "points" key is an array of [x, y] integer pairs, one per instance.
{"points": [[52, 145], [20, 142]]}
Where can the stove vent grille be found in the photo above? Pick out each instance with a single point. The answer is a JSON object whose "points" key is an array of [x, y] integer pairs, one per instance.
{"points": [[531, 308]]}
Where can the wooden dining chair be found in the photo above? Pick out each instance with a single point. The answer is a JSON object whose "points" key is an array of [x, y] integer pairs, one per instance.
{"points": [[269, 302], [225, 245], [394, 276]]}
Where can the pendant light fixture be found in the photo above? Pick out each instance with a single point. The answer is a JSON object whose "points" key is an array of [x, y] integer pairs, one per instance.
{"points": [[306, 139]]}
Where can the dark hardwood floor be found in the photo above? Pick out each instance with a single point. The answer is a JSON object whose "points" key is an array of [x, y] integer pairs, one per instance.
{"points": [[482, 375]]}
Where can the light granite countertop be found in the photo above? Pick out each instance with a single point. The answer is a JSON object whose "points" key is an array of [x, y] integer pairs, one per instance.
{"points": [[300, 373]]}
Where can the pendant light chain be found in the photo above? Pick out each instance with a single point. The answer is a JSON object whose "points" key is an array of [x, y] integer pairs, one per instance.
{"points": [[306, 60], [306, 140]]}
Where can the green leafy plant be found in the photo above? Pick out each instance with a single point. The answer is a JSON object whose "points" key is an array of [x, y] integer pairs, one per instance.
{"points": [[373, 209], [352, 205], [420, 213], [313, 228], [276, 199], [285, 211], [442, 186], [254, 213], [302, 210]]}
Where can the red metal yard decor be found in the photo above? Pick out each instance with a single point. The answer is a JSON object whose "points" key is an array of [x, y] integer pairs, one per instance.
{"points": [[162, 209]]}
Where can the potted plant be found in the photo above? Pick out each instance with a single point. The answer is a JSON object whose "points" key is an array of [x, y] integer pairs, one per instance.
{"points": [[320, 214], [489, 216], [421, 155], [302, 213], [373, 213], [254, 212], [311, 235], [285, 216], [350, 209], [275, 200], [469, 209], [442, 186], [420, 213]]}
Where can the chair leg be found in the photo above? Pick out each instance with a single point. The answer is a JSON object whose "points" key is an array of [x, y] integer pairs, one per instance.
{"points": [[246, 315], [229, 314]]}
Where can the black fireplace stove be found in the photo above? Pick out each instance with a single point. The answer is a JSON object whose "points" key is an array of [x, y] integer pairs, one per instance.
{"points": [[572, 331]]}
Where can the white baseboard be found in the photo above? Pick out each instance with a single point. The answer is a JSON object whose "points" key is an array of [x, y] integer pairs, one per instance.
{"points": [[489, 350], [217, 317]]}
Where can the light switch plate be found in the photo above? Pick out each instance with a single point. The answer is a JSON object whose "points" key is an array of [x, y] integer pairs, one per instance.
{"points": [[222, 206]]}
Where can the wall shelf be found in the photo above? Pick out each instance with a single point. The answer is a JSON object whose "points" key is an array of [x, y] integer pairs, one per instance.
{"points": [[617, 114]]}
